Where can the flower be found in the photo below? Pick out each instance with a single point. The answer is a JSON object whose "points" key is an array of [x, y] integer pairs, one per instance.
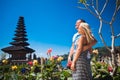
{"points": [[49, 51], [4, 61], [30, 63], [23, 70], [69, 64], [14, 67], [110, 69], [51, 58], [95, 51], [60, 58], [35, 62], [55, 57], [32, 68]]}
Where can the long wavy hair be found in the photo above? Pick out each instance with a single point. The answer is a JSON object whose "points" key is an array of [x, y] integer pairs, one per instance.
{"points": [[87, 32]]}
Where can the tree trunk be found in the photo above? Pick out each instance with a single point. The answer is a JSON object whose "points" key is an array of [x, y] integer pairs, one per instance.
{"points": [[114, 62]]}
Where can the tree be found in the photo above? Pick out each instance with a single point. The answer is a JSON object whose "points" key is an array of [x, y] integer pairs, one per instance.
{"points": [[97, 7], [34, 56], [2, 56]]}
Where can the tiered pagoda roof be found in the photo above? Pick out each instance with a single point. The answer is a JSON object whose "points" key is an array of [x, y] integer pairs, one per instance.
{"points": [[19, 43]]}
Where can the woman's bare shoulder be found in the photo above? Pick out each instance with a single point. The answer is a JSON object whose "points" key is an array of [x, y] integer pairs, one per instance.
{"points": [[82, 38]]}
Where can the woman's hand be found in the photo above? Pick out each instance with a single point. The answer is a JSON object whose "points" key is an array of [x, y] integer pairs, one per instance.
{"points": [[69, 64], [73, 66], [69, 59]]}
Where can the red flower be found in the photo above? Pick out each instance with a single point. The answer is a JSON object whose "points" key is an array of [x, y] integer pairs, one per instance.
{"points": [[49, 51], [110, 69], [30, 63], [69, 64]]}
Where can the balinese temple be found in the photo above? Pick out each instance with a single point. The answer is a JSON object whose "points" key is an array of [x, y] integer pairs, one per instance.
{"points": [[19, 46]]}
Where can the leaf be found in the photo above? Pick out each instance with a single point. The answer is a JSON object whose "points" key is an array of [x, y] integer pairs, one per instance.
{"points": [[103, 71], [97, 76], [83, 1], [66, 73]]}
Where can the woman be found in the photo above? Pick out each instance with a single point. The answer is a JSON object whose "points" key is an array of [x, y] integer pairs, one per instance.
{"points": [[80, 64]]}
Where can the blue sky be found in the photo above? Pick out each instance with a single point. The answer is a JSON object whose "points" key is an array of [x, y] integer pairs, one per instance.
{"points": [[49, 23]]}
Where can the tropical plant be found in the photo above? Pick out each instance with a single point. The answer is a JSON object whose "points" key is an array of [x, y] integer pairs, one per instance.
{"points": [[102, 70], [50, 70]]}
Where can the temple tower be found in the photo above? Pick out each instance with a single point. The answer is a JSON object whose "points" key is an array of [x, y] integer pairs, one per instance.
{"points": [[19, 48]]}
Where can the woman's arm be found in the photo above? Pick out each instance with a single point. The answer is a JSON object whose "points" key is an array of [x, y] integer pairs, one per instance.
{"points": [[78, 52], [71, 52], [89, 46]]}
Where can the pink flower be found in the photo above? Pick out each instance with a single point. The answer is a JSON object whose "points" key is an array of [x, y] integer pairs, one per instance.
{"points": [[110, 69], [55, 57], [30, 63], [49, 51]]}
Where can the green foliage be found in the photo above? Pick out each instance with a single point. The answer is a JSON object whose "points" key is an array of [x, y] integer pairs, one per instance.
{"points": [[100, 70], [83, 1], [4, 68], [117, 76], [51, 70]]}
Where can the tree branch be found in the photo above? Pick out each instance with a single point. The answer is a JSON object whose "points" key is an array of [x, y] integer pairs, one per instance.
{"points": [[118, 8], [97, 5], [92, 2], [81, 7], [100, 28], [100, 34], [97, 16], [90, 10], [114, 15], [104, 7], [96, 10], [117, 35], [112, 20], [118, 4]]}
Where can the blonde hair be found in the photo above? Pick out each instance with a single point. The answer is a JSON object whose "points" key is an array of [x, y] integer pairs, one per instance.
{"points": [[87, 32]]}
